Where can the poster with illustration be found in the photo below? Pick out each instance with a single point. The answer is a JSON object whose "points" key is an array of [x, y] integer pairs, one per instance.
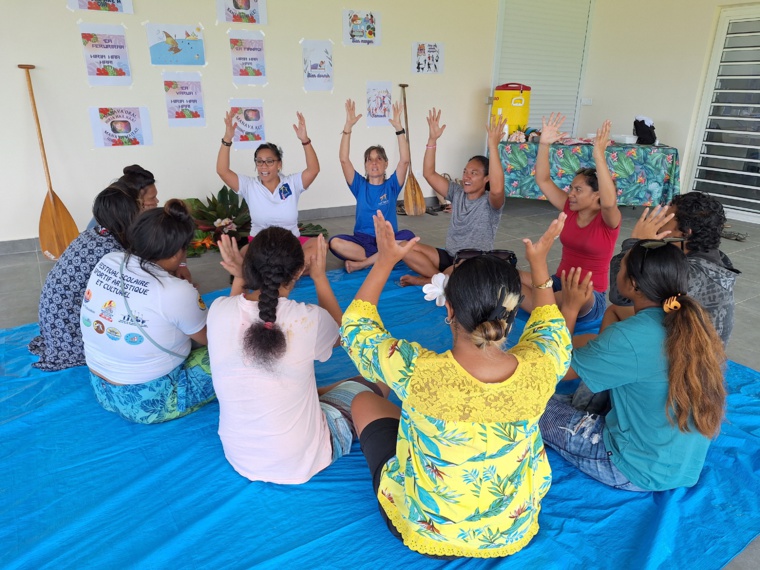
{"points": [[247, 51], [361, 28], [105, 54], [124, 6], [378, 103], [427, 57], [173, 44], [243, 11], [317, 65], [120, 126], [184, 99], [249, 119]]}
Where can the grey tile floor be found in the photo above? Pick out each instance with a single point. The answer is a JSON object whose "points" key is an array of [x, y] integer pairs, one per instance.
{"points": [[22, 275]]}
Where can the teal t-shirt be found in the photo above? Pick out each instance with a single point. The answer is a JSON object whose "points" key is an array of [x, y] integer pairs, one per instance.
{"points": [[628, 359]]}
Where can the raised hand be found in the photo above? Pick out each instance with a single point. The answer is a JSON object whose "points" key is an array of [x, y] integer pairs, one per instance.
{"points": [[351, 117], [396, 120], [229, 126], [388, 248], [537, 252], [318, 259], [649, 224], [232, 258], [495, 129], [435, 129], [300, 128], [576, 293], [550, 129], [602, 137]]}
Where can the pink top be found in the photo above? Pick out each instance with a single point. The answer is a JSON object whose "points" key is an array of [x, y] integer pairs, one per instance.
{"points": [[589, 248], [270, 422]]}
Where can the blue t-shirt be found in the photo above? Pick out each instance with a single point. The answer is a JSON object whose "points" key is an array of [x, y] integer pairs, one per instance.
{"points": [[373, 197], [628, 358]]}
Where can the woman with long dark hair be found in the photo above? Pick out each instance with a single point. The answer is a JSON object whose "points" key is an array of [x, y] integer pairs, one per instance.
{"points": [[138, 321], [663, 368]]}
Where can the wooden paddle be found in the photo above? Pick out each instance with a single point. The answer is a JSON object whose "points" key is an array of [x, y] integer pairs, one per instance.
{"points": [[57, 227], [414, 201]]}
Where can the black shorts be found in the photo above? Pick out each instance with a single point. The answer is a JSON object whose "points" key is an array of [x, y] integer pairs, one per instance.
{"points": [[444, 259], [378, 443]]}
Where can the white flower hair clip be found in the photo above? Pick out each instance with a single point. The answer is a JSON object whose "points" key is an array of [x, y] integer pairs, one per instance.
{"points": [[434, 291]]}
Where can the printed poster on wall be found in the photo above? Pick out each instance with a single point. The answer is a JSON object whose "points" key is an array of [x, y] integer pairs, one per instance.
{"points": [[249, 122], [317, 65], [378, 103], [120, 126], [247, 50], [124, 6], [184, 100], [427, 57], [361, 28], [245, 11], [105, 54], [173, 44]]}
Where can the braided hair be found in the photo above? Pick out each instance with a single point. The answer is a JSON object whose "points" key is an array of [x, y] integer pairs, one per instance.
{"points": [[273, 259]]}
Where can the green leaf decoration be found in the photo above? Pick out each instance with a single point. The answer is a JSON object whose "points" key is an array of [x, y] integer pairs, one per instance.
{"points": [[624, 167], [518, 158]]}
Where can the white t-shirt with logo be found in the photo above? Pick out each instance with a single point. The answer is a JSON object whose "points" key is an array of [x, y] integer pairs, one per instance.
{"points": [[270, 422], [169, 310], [278, 208]]}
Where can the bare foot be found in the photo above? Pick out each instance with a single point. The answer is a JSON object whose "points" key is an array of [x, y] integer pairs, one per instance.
{"points": [[419, 280], [352, 266]]}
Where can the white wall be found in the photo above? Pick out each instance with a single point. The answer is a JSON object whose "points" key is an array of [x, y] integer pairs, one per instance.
{"points": [[183, 160], [649, 57]]}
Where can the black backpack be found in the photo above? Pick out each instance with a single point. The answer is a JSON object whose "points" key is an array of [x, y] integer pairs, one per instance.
{"points": [[643, 128]]}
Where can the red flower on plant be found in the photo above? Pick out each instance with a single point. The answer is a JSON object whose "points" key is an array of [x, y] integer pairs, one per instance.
{"points": [[614, 157], [631, 152], [510, 168], [641, 179], [560, 153], [576, 150]]}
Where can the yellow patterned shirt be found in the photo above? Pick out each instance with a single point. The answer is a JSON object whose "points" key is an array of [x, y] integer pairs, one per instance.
{"points": [[470, 468]]}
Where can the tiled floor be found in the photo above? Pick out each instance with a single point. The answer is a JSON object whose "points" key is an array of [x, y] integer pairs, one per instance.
{"points": [[22, 275]]}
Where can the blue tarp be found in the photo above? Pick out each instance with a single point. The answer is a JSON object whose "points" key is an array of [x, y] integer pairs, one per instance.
{"points": [[80, 487]]}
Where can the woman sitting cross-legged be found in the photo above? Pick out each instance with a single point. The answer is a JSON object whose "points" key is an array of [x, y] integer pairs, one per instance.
{"points": [[274, 423], [460, 470], [138, 320], [476, 204], [663, 368]]}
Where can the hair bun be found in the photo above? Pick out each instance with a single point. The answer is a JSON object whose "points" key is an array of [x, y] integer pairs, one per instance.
{"points": [[177, 209]]}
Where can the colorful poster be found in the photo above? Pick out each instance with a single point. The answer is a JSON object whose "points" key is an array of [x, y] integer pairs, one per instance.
{"points": [[361, 28], [247, 50], [105, 54], [317, 65], [249, 119], [120, 126], [172, 44], [427, 57], [124, 6], [245, 11], [378, 103], [184, 99]]}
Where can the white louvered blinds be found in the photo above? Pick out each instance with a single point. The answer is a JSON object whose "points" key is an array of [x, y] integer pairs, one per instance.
{"points": [[551, 63], [728, 165]]}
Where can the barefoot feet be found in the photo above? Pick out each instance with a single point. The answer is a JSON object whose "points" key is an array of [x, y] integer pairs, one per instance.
{"points": [[352, 266], [418, 280]]}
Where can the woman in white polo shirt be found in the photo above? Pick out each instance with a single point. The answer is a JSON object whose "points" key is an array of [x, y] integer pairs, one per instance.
{"points": [[272, 197], [138, 321]]}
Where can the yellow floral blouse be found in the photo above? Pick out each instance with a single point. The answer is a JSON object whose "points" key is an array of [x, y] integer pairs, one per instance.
{"points": [[470, 468]]}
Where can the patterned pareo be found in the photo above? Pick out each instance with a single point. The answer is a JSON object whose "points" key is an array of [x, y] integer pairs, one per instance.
{"points": [[59, 344]]}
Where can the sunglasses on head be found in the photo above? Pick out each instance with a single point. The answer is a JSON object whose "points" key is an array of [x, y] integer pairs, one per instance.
{"points": [[503, 254], [656, 244]]}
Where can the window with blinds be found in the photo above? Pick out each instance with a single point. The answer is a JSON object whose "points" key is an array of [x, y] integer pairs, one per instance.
{"points": [[728, 165], [551, 65]]}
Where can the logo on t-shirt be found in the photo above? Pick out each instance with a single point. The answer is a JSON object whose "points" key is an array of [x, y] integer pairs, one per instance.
{"points": [[383, 199], [133, 338], [87, 296], [99, 327], [138, 320], [113, 333], [86, 322], [285, 191], [107, 311], [201, 304]]}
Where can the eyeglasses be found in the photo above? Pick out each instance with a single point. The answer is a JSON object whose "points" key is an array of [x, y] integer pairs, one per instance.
{"points": [[503, 254], [657, 244], [267, 161]]}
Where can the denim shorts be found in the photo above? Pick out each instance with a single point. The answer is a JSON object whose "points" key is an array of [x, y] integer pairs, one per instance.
{"points": [[597, 309], [578, 437]]}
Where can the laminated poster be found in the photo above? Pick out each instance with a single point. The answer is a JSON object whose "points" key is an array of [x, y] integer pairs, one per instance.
{"points": [[105, 54], [184, 100], [361, 28], [120, 126], [427, 57], [249, 119], [172, 44], [247, 51], [244, 11], [378, 103], [124, 6], [317, 65]]}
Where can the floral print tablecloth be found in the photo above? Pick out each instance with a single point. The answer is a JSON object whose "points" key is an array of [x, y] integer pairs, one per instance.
{"points": [[644, 175]]}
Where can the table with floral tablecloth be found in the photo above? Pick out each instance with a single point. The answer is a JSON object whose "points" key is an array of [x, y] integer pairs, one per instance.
{"points": [[643, 174]]}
